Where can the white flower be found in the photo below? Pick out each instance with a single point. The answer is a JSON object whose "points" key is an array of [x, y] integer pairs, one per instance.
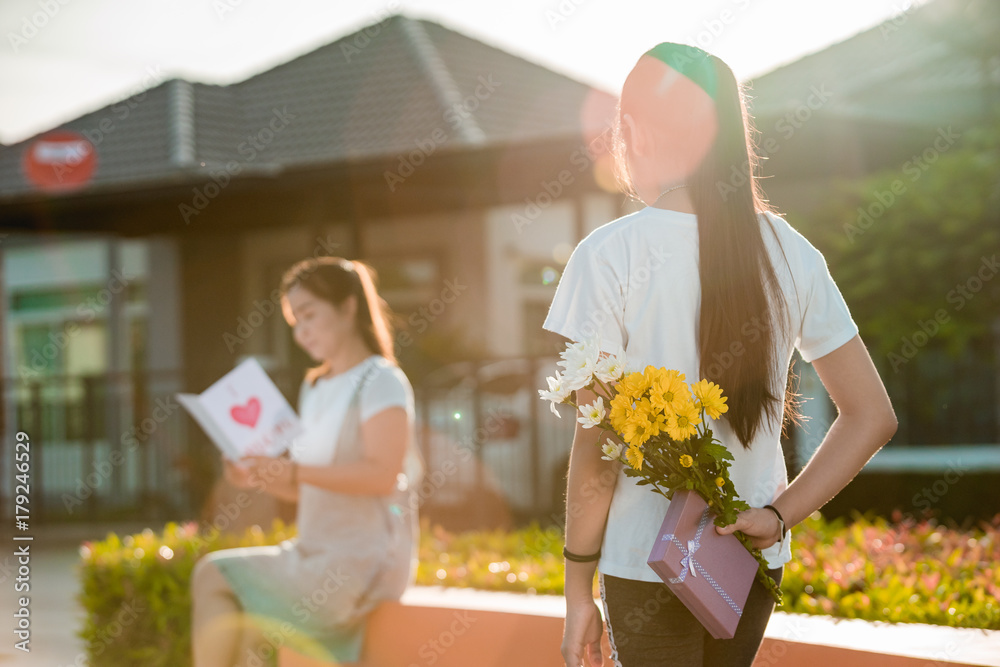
{"points": [[592, 414], [632, 367], [612, 450], [577, 380], [579, 361], [610, 368], [557, 392]]}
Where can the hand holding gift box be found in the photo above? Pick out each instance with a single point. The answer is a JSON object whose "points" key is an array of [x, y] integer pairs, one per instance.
{"points": [[710, 573], [668, 445]]}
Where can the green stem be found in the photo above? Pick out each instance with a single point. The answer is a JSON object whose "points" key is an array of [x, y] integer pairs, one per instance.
{"points": [[765, 579], [661, 491], [604, 386]]}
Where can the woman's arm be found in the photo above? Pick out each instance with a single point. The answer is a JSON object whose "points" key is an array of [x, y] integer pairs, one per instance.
{"points": [[284, 490], [865, 421], [384, 439], [263, 473], [589, 488]]}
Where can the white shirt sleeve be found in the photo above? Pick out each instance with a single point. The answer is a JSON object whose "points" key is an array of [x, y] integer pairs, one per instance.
{"points": [[388, 388], [589, 301], [826, 321]]}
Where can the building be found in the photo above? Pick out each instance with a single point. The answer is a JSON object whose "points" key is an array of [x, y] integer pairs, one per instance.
{"points": [[145, 240]]}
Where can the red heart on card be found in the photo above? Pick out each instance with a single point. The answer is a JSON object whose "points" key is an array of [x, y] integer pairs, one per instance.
{"points": [[246, 414]]}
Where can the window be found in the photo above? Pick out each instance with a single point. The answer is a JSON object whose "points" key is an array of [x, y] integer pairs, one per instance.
{"points": [[40, 350], [538, 341], [407, 282], [540, 272]]}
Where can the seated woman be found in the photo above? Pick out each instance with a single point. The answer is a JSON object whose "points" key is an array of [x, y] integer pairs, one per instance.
{"points": [[354, 472]]}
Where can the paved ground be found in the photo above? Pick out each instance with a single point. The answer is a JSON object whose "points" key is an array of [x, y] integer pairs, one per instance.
{"points": [[55, 614]]}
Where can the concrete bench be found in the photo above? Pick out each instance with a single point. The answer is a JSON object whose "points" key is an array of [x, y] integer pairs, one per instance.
{"points": [[449, 627], [452, 626]]}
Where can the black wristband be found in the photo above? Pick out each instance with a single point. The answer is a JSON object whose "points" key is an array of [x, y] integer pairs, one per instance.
{"points": [[781, 519], [577, 558]]}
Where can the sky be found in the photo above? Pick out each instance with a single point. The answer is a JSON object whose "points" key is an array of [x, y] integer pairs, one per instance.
{"points": [[60, 59]]}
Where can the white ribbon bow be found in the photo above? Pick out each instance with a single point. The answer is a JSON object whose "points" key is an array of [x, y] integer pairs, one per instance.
{"points": [[688, 559], [688, 563]]}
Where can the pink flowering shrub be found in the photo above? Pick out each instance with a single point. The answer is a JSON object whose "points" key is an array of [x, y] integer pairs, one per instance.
{"points": [[916, 571]]}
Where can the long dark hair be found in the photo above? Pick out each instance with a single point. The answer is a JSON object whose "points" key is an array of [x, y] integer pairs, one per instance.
{"points": [[334, 279], [738, 282]]}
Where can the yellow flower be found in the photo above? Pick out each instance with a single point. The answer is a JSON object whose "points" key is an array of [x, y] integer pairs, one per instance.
{"points": [[710, 398], [642, 407], [686, 460], [657, 420], [672, 374], [683, 423], [634, 457], [633, 385], [620, 411], [651, 374], [638, 429], [669, 391], [720, 482]]}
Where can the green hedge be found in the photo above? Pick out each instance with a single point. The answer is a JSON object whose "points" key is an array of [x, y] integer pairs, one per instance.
{"points": [[135, 590]]}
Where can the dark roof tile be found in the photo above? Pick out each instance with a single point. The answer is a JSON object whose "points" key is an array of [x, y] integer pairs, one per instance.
{"points": [[335, 104]]}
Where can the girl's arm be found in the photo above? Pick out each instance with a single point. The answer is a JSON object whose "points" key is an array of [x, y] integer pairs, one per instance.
{"points": [[865, 421], [589, 488], [590, 485], [384, 439]]}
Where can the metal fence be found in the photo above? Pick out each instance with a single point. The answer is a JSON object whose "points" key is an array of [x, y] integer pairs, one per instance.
{"points": [[119, 446], [102, 446]]}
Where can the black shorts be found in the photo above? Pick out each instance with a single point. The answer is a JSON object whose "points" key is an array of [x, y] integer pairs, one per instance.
{"points": [[649, 627]]}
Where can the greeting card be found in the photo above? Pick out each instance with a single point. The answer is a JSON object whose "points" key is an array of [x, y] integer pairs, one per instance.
{"points": [[244, 413]]}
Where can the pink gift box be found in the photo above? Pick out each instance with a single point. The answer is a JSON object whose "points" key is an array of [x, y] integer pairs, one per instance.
{"points": [[710, 573]]}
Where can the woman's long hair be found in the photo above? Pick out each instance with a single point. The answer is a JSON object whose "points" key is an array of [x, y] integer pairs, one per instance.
{"points": [[738, 282], [334, 279]]}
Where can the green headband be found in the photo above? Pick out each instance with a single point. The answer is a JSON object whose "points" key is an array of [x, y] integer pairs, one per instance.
{"points": [[692, 62]]}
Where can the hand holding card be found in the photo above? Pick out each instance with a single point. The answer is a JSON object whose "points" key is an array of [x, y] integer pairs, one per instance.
{"points": [[236, 474]]}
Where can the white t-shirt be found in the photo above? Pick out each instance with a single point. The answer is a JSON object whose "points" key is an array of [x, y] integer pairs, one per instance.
{"points": [[322, 407], [634, 282]]}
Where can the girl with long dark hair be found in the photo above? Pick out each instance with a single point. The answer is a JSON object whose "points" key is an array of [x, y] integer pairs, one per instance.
{"points": [[353, 473], [708, 280]]}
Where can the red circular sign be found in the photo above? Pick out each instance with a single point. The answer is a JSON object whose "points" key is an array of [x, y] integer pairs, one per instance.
{"points": [[60, 160]]}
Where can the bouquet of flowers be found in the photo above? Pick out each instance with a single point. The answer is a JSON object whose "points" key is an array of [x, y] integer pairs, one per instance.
{"points": [[662, 422]]}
